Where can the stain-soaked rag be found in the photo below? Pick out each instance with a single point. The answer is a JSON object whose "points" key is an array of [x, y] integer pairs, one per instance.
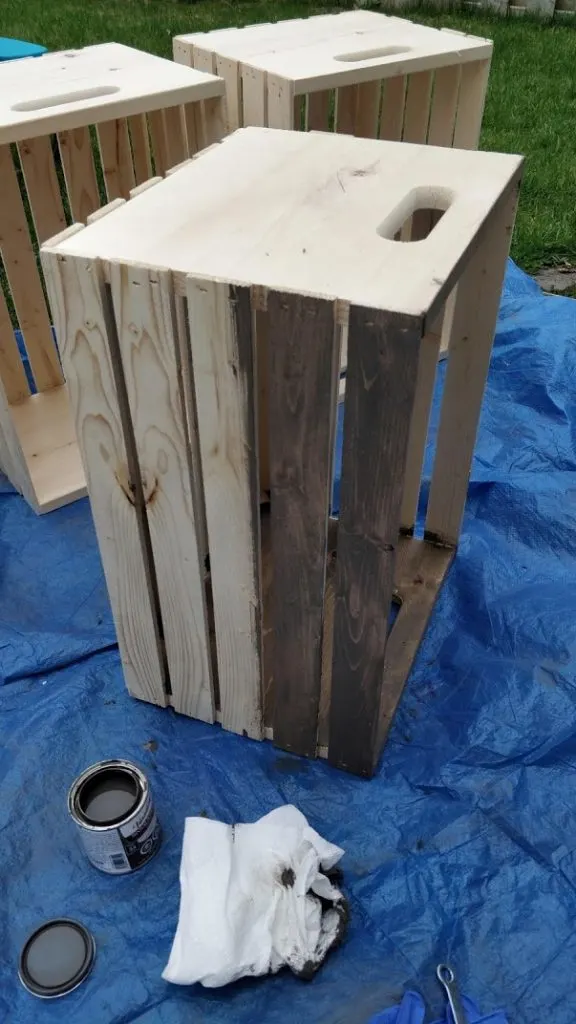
{"points": [[254, 898]]}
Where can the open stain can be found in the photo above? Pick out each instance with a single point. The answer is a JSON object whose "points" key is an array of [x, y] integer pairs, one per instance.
{"points": [[113, 811]]}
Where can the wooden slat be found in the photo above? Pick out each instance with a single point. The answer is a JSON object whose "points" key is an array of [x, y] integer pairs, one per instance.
{"points": [[176, 147], [421, 570], [159, 145], [472, 326], [254, 97], [262, 341], [473, 85], [303, 368], [443, 107], [221, 339], [79, 172], [12, 459], [24, 279], [280, 103], [346, 109], [392, 116], [229, 70], [12, 373], [380, 385], [417, 110], [116, 156], [318, 111], [138, 126], [194, 128], [214, 120], [367, 110], [149, 349], [85, 326], [427, 365], [42, 186]]}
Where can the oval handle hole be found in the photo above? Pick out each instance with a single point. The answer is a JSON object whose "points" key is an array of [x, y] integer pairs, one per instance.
{"points": [[43, 102], [383, 51], [417, 215]]}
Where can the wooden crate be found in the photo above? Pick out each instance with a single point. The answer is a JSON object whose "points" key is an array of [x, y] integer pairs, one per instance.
{"points": [[359, 72], [77, 129], [200, 326]]}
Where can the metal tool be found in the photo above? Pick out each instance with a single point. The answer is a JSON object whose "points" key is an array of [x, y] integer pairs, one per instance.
{"points": [[447, 978]]}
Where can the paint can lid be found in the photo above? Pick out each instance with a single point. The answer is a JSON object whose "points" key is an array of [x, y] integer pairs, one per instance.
{"points": [[56, 958]]}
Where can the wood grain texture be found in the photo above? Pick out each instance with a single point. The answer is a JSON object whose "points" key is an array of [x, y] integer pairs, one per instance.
{"points": [[443, 106], [79, 172], [473, 86], [472, 324], [346, 109], [85, 326], [12, 459], [421, 570], [229, 70], [367, 110], [382, 366], [176, 145], [303, 368], [158, 138], [425, 379], [140, 141], [220, 321], [12, 373], [42, 186], [148, 347], [116, 156], [392, 113], [280, 103], [417, 110], [254, 98], [214, 120], [262, 342], [24, 280], [318, 111]]}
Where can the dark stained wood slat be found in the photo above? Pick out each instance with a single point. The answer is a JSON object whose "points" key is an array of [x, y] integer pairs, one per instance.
{"points": [[382, 366], [303, 362]]}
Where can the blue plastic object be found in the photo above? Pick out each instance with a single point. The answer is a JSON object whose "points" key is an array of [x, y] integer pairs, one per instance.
{"points": [[461, 849], [412, 1011], [14, 49]]}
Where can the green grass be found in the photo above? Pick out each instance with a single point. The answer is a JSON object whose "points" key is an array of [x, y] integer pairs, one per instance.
{"points": [[531, 106]]}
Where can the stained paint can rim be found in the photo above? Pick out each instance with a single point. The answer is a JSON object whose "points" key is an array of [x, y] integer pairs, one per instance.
{"points": [[93, 771], [76, 978]]}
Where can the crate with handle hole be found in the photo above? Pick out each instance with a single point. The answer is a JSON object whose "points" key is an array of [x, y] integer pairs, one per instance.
{"points": [[201, 326], [77, 129]]}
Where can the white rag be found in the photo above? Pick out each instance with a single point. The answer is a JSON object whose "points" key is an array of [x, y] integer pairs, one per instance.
{"points": [[249, 900]]}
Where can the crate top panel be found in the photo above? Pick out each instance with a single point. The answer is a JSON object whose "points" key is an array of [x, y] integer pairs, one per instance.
{"points": [[312, 213], [338, 49], [77, 87]]}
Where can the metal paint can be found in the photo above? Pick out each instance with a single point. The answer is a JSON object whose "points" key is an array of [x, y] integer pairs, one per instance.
{"points": [[112, 808]]}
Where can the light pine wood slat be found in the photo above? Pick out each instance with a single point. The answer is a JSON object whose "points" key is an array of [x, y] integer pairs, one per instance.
{"points": [[79, 172], [85, 325], [159, 146], [220, 321], [367, 110], [346, 109], [417, 110], [12, 373], [138, 126], [443, 106], [176, 146], [318, 111], [24, 280], [42, 186], [392, 115], [473, 85], [148, 347], [116, 156]]}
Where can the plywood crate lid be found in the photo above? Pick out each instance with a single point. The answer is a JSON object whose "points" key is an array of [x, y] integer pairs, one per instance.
{"points": [[327, 50], [73, 88], [311, 213]]}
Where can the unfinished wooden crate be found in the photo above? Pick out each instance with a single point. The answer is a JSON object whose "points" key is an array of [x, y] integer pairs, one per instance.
{"points": [[359, 72], [200, 326], [77, 129]]}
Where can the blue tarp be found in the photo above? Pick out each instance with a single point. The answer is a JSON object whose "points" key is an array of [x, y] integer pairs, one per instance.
{"points": [[461, 849]]}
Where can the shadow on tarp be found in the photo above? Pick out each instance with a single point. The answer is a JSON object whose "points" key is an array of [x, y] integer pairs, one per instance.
{"points": [[462, 849]]}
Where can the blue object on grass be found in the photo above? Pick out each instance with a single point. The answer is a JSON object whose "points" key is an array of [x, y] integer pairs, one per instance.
{"points": [[463, 846], [15, 49], [412, 1011]]}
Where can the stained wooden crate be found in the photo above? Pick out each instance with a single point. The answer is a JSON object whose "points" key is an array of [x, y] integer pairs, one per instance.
{"points": [[201, 325], [77, 129]]}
